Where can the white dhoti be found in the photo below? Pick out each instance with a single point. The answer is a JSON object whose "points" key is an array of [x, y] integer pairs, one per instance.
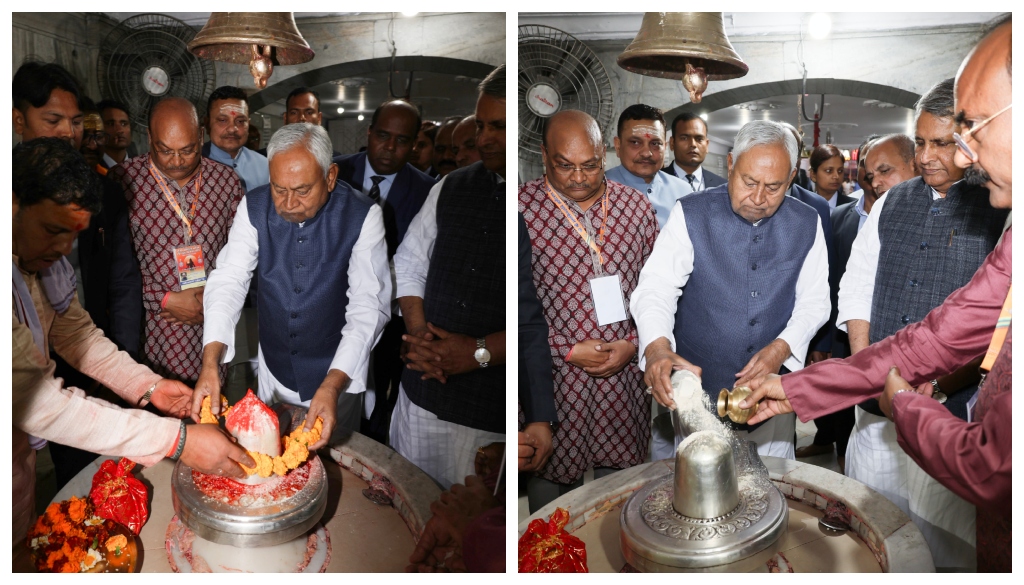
{"points": [[773, 438], [946, 520], [874, 458], [443, 450]]}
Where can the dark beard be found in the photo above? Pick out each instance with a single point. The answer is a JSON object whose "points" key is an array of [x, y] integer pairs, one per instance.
{"points": [[975, 175]]}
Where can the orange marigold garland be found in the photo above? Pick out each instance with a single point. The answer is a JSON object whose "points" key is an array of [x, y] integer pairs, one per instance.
{"points": [[546, 547], [63, 536]]}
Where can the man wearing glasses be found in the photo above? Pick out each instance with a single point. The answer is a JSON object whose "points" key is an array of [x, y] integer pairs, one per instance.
{"points": [[180, 207], [590, 237], [972, 458]]}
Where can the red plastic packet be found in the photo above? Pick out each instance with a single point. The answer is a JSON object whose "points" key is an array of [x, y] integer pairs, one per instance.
{"points": [[546, 547], [118, 496]]}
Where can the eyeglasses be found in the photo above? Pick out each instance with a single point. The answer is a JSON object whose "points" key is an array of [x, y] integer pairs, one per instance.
{"points": [[589, 169], [97, 137], [185, 153], [961, 141]]}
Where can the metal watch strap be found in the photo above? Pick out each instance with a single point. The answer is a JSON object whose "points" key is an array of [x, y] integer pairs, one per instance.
{"points": [[481, 343], [149, 394]]}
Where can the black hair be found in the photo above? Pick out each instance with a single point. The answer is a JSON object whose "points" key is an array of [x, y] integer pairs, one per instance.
{"points": [[684, 118], [86, 104], [494, 84], [50, 168], [429, 128], [113, 105], [822, 153], [226, 92], [34, 82], [301, 91], [639, 112], [419, 119]]}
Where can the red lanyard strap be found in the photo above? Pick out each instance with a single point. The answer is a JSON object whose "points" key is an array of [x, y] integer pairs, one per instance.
{"points": [[174, 200], [577, 224]]}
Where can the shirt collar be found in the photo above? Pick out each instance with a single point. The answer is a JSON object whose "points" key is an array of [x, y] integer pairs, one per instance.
{"points": [[698, 175], [859, 206], [638, 183], [369, 172], [111, 163], [222, 156]]}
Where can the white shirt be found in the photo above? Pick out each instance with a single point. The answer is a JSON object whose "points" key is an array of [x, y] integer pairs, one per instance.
{"points": [[654, 302], [366, 312], [698, 178], [385, 185], [412, 259], [857, 288]]}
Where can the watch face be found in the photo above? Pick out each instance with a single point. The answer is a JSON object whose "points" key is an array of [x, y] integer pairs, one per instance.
{"points": [[482, 355]]}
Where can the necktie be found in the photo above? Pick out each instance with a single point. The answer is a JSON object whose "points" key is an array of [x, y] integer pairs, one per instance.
{"points": [[390, 228], [375, 190], [690, 178]]}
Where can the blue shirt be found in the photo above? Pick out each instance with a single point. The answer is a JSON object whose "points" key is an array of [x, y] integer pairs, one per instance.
{"points": [[385, 185], [252, 167], [662, 191]]}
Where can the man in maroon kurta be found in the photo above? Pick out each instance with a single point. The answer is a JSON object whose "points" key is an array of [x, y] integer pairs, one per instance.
{"points": [[604, 414], [207, 193], [972, 459]]}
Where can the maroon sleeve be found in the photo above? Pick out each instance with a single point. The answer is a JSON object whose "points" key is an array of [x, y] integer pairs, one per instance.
{"points": [[950, 335], [973, 459]]}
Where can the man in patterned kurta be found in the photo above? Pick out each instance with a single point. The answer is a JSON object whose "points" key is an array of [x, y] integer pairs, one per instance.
{"points": [[174, 317], [604, 414]]}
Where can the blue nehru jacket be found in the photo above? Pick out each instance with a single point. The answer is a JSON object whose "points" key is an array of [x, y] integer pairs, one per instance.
{"points": [[743, 286], [663, 191], [303, 283]]}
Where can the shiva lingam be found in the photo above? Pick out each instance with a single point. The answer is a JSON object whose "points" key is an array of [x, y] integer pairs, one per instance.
{"points": [[718, 507], [231, 520]]}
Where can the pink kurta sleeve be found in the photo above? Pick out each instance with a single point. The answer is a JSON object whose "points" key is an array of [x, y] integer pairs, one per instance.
{"points": [[950, 335], [44, 409], [971, 459]]}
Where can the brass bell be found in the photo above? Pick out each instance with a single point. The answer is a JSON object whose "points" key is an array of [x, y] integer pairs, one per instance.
{"points": [[260, 39], [689, 46]]}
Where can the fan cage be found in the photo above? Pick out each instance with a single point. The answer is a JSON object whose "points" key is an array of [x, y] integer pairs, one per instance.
{"points": [[554, 57], [152, 40]]}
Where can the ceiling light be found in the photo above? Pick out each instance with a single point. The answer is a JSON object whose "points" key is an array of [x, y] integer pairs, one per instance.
{"points": [[360, 117], [341, 110], [819, 25], [704, 116], [410, 13]]}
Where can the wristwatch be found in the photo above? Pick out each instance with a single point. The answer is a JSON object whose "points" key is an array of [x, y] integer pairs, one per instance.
{"points": [[481, 355]]}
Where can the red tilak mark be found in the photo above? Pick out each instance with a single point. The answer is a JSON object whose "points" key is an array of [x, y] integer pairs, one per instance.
{"points": [[648, 136]]}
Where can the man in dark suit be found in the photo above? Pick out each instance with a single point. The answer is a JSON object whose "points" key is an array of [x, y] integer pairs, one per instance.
{"points": [[536, 373], [384, 174], [690, 146]]}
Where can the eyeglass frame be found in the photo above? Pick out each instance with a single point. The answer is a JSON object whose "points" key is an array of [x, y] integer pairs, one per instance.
{"points": [[578, 169], [99, 137], [961, 140]]}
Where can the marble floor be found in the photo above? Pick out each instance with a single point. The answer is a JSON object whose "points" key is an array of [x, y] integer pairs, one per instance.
{"points": [[804, 436]]}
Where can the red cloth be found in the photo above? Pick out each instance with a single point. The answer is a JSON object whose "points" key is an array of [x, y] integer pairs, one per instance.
{"points": [[175, 351], [971, 459], [119, 496], [603, 422]]}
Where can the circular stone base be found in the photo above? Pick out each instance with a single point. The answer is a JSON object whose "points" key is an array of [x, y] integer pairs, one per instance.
{"points": [[656, 538], [188, 553]]}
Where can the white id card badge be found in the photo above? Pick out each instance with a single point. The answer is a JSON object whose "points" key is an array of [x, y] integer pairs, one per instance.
{"points": [[607, 296]]}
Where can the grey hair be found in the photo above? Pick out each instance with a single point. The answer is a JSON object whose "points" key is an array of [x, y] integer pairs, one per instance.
{"points": [[763, 133], [311, 136], [494, 84], [937, 101], [904, 145]]}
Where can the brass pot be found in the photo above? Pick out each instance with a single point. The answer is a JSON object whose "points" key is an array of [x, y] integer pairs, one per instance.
{"points": [[729, 405]]}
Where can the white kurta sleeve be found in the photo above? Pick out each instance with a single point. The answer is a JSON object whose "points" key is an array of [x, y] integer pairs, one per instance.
{"points": [[412, 259], [369, 301], [653, 302], [857, 287], [228, 284], [813, 302]]}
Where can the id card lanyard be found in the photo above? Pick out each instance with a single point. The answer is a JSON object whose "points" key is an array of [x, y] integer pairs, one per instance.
{"points": [[605, 289], [185, 220], [994, 347]]}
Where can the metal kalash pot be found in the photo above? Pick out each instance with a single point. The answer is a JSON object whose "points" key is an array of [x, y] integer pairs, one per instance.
{"points": [[717, 508]]}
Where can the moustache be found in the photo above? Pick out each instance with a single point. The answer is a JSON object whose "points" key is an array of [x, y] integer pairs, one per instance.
{"points": [[446, 162], [583, 185], [975, 175], [643, 161]]}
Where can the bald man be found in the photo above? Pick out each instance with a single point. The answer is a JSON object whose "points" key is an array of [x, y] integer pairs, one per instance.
{"points": [[464, 142], [972, 458], [180, 208], [599, 393]]}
